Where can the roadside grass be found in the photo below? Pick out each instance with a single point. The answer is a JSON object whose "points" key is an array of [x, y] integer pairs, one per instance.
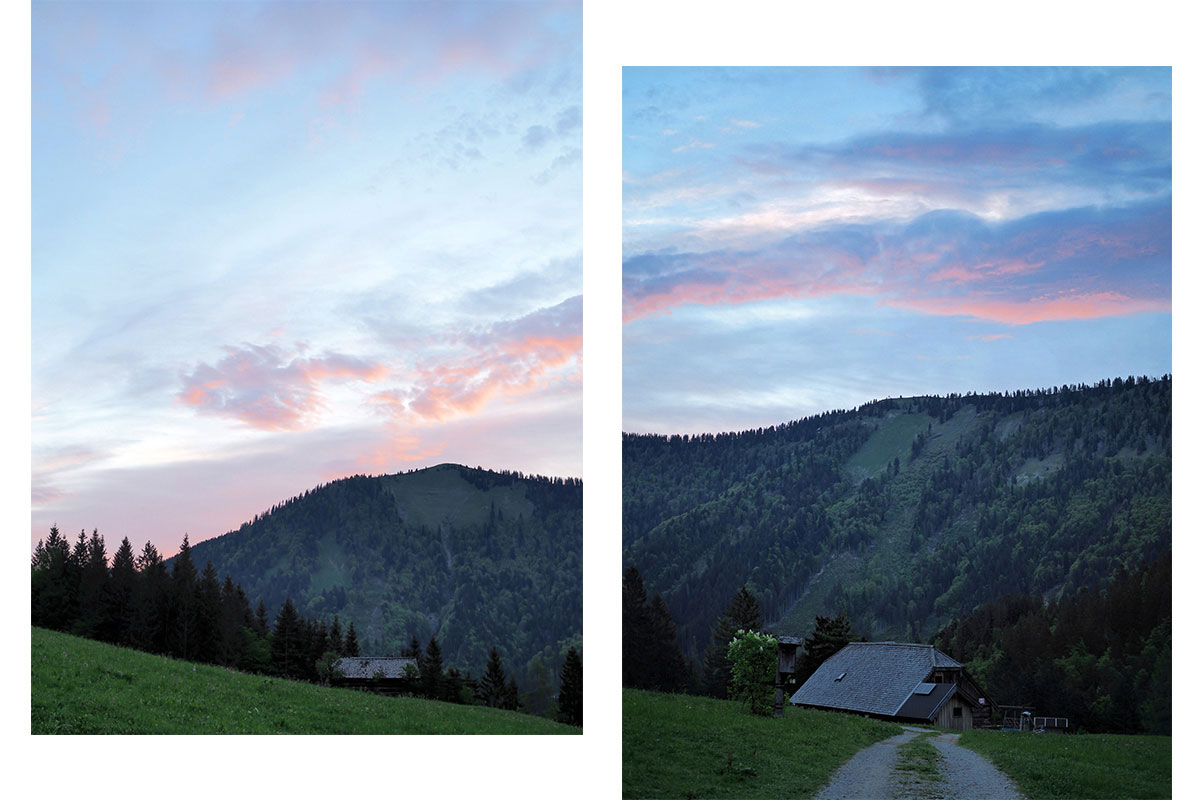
{"points": [[920, 761], [1092, 766], [81, 686], [680, 746]]}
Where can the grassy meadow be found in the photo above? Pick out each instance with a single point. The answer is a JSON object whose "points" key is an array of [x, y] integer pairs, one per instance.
{"points": [[679, 746], [1092, 766], [82, 686]]}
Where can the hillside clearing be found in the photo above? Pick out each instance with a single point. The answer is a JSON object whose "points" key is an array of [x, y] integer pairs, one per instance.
{"points": [[1093, 766], [85, 687], [685, 746]]}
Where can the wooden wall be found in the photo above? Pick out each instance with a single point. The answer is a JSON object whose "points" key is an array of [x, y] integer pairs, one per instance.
{"points": [[946, 718]]}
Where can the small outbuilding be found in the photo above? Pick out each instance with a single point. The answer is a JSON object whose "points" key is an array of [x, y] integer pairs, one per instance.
{"points": [[896, 681], [387, 675]]}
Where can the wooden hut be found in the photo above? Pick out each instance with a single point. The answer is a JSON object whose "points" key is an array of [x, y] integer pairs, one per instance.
{"points": [[901, 682], [386, 675]]}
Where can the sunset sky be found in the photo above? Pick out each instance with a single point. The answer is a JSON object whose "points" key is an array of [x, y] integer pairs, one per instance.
{"points": [[278, 244], [797, 240]]}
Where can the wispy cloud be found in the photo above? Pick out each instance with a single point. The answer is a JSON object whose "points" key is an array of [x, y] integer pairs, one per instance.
{"points": [[1038, 268], [267, 388], [502, 360]]}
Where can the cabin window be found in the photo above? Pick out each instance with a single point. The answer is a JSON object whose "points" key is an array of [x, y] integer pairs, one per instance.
{"points": [[958, 711]]}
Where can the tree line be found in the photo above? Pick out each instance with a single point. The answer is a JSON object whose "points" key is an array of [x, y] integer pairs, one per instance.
{"points": [[1100, 656], [652, 658], [1032, 491], [189, 614]]}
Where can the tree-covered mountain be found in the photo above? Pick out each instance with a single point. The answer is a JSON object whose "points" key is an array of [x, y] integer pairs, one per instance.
{"points": [[903, 513], [474, 557]]}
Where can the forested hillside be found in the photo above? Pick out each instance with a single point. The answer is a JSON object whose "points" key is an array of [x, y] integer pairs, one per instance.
{"points": [[476, 558], [906, 512]]}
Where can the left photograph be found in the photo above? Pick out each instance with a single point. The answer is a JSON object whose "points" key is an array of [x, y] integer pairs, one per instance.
{"points": [[307, 340]]}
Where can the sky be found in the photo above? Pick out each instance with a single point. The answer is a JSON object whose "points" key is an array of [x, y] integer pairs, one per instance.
{"points": [[278, 244], [798, 240]]}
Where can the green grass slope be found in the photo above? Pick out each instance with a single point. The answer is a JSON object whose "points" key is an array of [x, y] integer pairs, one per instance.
{"points": [[1092, 766], [81, 686], [683, 746]]}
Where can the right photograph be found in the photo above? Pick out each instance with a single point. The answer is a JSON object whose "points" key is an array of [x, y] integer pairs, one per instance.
{"points": [[897, 467]]}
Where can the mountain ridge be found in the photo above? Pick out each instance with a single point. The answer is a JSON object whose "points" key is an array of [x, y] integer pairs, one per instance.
{"points": [[900, 511], [475, 557]]}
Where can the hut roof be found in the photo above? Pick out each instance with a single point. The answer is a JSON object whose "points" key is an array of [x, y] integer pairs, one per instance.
{"points": [[877, 678], [387, 667]]}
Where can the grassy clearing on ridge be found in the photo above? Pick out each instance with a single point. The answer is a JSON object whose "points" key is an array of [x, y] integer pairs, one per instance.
{"points": [[82, 686]]}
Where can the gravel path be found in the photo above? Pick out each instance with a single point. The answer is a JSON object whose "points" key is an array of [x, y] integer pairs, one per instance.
{"points": [[867, 776], [971, 775], [870, 775]]}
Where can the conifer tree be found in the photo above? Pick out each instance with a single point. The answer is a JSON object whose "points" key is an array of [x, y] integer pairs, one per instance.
{"points": [[208, 639], [287, 643], [490, 688], [432, 679], [351, 642], [151, 605], [668, 670], [743, 613], [260, 619], [335, 637], [635, 644], [512, 697], [121, 596], [829, 635], [182, 624], [570, 691], [51, 600], [93, 588]]}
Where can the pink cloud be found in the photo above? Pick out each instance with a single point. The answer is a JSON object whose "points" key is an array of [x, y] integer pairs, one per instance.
{"points": [[266, 388], [1039, 309], [990, 337], [504, 360]]}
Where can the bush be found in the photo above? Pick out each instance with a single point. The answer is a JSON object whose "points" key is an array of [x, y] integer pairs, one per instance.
{"points": [[753, 657]]}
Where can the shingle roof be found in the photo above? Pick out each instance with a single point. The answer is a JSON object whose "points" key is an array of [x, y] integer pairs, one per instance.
{"points": [[370, 667], [871, 677]]}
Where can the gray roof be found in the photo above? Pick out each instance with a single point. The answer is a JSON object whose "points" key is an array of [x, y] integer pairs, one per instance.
{"points": [[871, 677], [370, 667]]}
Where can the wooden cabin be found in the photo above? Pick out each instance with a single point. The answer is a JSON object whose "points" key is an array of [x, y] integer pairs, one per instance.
{"points": [[386, 675], [901, 682]]}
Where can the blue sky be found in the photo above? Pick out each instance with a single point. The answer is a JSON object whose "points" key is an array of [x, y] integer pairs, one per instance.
{"points": [[797, 240], [276, 244]]}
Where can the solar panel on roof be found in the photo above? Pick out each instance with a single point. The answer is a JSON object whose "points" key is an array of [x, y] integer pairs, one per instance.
{"points": [[924, 688]]}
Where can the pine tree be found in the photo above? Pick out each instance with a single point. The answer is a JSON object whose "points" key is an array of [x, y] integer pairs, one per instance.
{"points": [[287, 643], [208, 638], [829, 635], [570, 691], [123, 584], [260, 619], [432, 679], [743, 613], [51, 596], [512, 697], [182, 623], [651, 656], [490, 688], [635, 644], [668, 670], [351, 642], [335, 637], [93, 588], [151, 603]]}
